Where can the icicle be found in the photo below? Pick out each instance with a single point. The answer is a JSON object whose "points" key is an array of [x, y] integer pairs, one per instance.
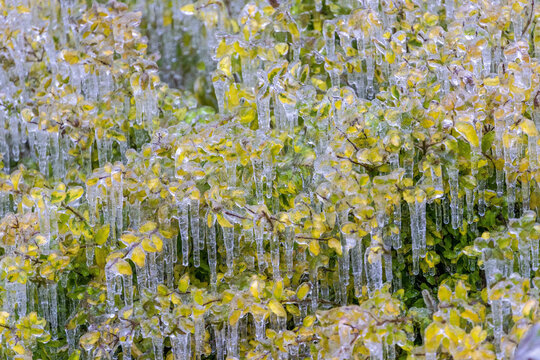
{"points": [[257, 174], [329, 29], [289, 251], [498, 142], [4, 147], [511, 197], [421, 223], [126, 348], [469, 198], [497, 314], [157, 342], [375, 350], [53, 317], [343, 262], [111, 292], [414, 238], [228, 239], [263, 109], [183, 222], [525, 192], [220, 84], [57, 156], [259, 240], [373, 263], [534, 254], [232, 340], [438, 214], [128, 290], [199, 334], [453, 181], [274, 249], [41, 144], [314, 278], [194, 214], [396, 236], [15, 138], [449, 5], [212, 256], [219, 342], [21, 299], [118, 199], [260, 327], [357, 254], [481, 197], [181, 346]]}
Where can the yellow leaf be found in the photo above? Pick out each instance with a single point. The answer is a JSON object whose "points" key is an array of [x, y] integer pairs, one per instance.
{"points": [[235, 316], [147, 227], [188, 9], [528, 127], [74, 193], [431, 333], [277, 308], [302, 291], [478, 334], [314, 247], [154, 244], [18, 348], [128, 238], [470, 315], [225, 65], [309, 320], [282, 48], [183, 283], [494, 81], [335, 244], [123, 267], [89, 339], [102, 234], [468, 131], [198, 296], [138, 256], [23, 9], [254, 288], [461, 290], [70, 56], [223, 222], [278, 289], [445, 294]]}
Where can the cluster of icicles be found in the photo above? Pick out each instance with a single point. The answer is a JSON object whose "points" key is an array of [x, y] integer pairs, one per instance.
{"points": [[19, 137]]}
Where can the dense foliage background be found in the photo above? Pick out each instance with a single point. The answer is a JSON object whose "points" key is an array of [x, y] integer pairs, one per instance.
{"points": [[268, 180]]}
